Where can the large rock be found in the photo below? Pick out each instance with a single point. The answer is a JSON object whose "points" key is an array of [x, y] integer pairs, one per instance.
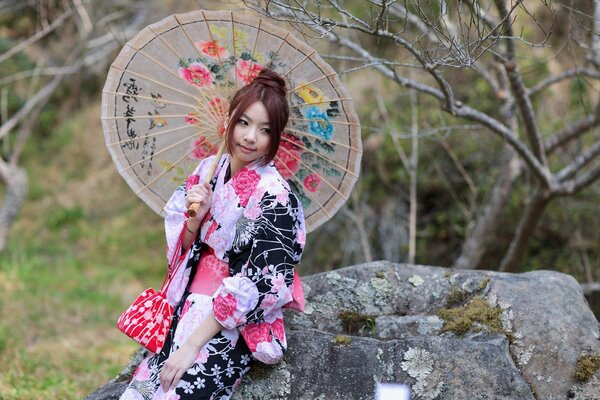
{"points": [[394, 334]]}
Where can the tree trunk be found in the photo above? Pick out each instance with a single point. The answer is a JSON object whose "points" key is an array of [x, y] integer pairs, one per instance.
{"points": [[485, 226], [16, 190], [529, 220]]}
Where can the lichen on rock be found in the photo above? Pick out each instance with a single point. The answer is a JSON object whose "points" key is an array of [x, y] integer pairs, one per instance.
{"points": [[418, 364], [416, 280]]}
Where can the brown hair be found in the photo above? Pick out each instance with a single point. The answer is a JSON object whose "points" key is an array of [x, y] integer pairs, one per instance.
{"points": [[269, 88]]}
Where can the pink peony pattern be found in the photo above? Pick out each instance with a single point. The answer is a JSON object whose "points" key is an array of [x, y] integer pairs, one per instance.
{"points": [[312, 182], [247, 70], [224, 306], [196, 74], [278, 329], [288, 156], [255, 334], [203, 148], [244, 182], [268, 352]]}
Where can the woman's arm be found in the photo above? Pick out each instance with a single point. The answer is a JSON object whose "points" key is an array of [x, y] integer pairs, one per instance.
{"points": [[201, 194], [180, 360]]}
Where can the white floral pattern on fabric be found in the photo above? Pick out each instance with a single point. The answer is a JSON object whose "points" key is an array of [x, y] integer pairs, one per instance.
{"points": [[216, 372]]}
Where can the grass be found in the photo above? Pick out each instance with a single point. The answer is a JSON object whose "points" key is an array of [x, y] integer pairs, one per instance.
{"points": [[83, 247]]}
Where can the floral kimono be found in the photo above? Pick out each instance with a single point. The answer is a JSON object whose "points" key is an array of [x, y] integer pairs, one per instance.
{"points": [[255, 226]]}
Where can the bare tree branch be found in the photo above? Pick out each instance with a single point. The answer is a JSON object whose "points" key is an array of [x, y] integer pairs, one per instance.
{"points": [[539, 87], [518, 87], [571, 132], [40, 34], [579, 163], [573, 186]]}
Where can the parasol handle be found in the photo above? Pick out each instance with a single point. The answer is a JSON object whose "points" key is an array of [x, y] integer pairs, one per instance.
{"points": [[193, 210]]}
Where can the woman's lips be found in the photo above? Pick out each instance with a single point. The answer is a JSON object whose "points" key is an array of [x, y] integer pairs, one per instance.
{"points": [[246, 149]]}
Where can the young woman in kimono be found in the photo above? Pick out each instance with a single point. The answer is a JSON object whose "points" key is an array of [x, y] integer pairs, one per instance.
{"points": [[238, 254]]}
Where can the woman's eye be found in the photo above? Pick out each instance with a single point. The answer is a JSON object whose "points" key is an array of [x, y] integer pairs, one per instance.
{"points": [[242, 122], [267, 131]]}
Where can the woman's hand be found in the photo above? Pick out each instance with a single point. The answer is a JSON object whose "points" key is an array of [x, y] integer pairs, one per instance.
{"points": [[201, 194], [176, 365]]}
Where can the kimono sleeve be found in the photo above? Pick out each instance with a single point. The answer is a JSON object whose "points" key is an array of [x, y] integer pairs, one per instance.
{"points": [[259, 286], [174, 211]]}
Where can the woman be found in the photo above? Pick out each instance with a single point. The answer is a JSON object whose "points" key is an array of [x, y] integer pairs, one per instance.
{"points": [[239, 251]]}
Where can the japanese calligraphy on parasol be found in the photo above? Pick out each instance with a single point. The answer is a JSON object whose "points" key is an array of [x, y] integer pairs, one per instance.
{"points": [[168, 91]]}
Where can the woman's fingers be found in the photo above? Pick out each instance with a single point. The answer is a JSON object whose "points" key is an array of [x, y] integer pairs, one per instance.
{"points": [[176, 379], [166, 377]]}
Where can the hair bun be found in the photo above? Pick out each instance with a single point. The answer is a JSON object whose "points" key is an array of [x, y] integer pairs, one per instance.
{"points": [[268, 77]]}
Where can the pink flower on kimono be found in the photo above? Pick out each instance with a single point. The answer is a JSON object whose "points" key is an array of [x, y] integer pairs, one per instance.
{"points": [[268, 352], [220, 241], [244, 183], [278, 329], [142, 373], [224, 307], [277, 283], [268, 301], [202, 356], [223, 200], [247, 70], [288, 158], [312, 182], [196, 74], [255, 334], [252, 210]]}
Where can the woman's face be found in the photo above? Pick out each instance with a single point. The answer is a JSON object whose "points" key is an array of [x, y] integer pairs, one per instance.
{"points": [[251, 135]]}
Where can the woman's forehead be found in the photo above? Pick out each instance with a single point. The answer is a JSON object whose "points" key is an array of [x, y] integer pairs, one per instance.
{"points": [[257, 112]]}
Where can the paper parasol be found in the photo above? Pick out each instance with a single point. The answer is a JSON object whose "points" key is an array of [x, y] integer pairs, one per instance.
{"points": [[167, 95]]}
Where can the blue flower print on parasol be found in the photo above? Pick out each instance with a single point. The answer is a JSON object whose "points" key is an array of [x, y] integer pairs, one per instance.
{"points": [[319, 123]]}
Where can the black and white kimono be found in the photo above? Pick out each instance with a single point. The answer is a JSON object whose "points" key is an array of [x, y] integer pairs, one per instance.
{"points": [[256, 225]]}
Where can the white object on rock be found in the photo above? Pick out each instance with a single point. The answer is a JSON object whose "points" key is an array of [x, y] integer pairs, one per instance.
{"points": [[392, 391]]}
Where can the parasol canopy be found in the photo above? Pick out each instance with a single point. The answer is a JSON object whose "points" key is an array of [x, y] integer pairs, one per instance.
{"points": [[167, 95]]}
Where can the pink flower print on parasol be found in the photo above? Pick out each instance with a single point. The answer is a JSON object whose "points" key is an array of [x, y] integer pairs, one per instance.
{"points": [[212, 49], [196, 74], [192, 119], [288, 156], [203, 148], [312, 182], [246, 71]]}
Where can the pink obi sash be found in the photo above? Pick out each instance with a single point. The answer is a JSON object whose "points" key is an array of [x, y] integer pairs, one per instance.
{"points": [[211, 271]]}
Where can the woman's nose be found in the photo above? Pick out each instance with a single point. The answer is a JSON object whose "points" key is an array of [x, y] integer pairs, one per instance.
{"points": [[251, 135]]}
